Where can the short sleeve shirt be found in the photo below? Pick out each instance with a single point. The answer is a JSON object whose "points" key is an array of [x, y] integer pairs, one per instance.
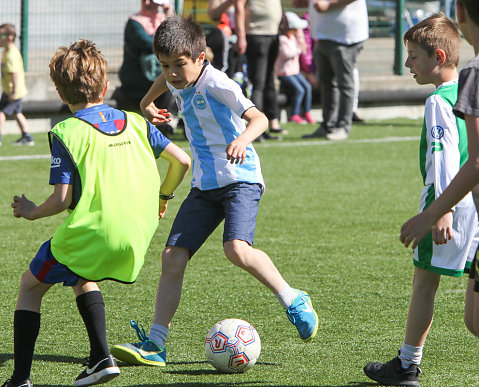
{"points": [[468, 91], [106, 119], [12, 62], [212, 111]]}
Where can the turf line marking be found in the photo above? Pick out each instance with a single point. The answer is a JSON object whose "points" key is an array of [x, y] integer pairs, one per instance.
{"points": [[326, 142], [279, 144], [24, 157]]}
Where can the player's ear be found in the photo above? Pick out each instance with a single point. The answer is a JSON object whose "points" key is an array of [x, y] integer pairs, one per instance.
{"points": [[440, 57], [201, 58]]}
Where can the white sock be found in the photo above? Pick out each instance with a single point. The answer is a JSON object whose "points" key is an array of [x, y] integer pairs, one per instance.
{"points": [[286, 296], [158, 334], [409, 354]]}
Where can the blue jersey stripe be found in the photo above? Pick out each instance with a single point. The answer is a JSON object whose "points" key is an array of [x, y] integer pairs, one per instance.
{"points": [[198, 142]]}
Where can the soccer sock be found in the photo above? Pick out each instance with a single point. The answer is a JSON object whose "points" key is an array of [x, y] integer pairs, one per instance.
{"points": [[26, 325], [159, 334], [286, 296], [92, 309], [409, 354]]}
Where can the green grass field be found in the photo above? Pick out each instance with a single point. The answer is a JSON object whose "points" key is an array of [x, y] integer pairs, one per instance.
{"points": [[330, 220]]}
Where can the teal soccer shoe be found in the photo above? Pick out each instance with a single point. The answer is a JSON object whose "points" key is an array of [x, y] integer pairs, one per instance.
{"points": [[302, 315], [146, 352]]}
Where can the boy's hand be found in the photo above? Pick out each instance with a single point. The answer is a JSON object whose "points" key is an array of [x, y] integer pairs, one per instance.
{"points": [[163, 205], [442, 230], [156, 116], [23, 208], [416, 228], [236, 152]]}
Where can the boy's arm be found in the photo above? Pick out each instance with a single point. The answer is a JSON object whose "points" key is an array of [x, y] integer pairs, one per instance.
{"points": [[330, 5], [180, 163], [150, 111], [12, 96], [57, 202], [257, 125], [416, 228]]}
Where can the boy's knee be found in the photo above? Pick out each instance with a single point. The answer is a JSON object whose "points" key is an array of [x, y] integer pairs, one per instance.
{"points": [[237, 252], [174, 259]]}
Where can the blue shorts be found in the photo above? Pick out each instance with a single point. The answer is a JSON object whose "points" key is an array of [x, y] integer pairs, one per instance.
{"points": [[48, 270], [10, 107], [202, 211]]}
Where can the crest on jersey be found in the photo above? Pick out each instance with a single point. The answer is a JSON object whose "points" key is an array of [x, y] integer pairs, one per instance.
{"points": [[437, 132], [199, 102]]}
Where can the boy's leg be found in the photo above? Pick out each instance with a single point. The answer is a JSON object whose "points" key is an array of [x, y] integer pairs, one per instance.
{"points": [[404, 369], [26, 326], [297, 303], [174, 261], [151, 349], [421, 307], [101, 366], [471, 310], [22, 123], [26, 139]]}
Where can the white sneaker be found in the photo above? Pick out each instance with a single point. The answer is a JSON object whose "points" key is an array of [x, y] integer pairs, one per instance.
{"points": [[338, 135]]}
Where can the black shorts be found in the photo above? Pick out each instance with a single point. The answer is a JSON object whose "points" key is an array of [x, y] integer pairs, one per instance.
{"points": [[10, 107]]}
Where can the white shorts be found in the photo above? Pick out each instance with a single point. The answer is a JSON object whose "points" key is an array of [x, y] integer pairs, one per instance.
{"points": [[457, 254]]}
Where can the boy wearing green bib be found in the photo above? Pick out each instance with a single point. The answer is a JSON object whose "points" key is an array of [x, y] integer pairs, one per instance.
{"points": [[104, 173]]}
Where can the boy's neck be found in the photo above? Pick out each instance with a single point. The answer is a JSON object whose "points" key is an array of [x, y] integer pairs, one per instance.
{"points": [[446, 75], [80, 106]]}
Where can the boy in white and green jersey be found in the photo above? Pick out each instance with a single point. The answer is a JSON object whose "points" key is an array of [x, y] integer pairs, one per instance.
{"points": [[433, 55]]}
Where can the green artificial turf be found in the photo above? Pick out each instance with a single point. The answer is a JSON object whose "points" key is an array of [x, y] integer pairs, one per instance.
{"points": [[329, 219]]}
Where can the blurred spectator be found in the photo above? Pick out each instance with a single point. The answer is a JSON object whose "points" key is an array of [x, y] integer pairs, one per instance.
{"points": [[140, 66], [306, 61], [340, 28], [296, 86], [13, 84], [256, 26]]}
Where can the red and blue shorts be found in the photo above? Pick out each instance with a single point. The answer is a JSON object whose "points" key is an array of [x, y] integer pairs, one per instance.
{"points": [[48, 270]]}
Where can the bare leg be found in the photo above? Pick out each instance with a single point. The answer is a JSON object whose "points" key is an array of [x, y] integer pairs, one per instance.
{"points": [[3, 118], [174, 261], [22, 122], [471, 311], [255, 262], [31, 293], [421, 306]]}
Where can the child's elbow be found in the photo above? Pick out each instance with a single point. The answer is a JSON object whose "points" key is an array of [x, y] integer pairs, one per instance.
{"points": [[184, 162]]}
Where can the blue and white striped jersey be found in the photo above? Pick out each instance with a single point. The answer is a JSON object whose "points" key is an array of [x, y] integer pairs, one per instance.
{"points": [[211, 110]]}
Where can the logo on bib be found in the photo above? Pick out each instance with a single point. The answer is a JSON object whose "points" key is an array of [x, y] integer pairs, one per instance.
{"points": [[199, 102]]}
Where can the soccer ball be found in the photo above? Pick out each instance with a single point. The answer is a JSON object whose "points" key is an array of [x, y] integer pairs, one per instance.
{"points": [[232, 346]]}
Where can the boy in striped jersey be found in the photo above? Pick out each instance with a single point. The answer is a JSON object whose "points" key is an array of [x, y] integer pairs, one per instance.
{"points": [[227, 184], [433, 55]]}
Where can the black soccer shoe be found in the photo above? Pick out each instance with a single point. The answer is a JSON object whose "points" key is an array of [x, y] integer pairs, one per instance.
{"points": [[24, 383], [392, 373], [101, 372]]}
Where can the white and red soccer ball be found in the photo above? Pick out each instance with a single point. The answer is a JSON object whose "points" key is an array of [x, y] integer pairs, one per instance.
{"points": [[232, 346]]}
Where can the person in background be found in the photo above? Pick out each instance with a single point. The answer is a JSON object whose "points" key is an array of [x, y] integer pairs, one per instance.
{"points": [[257, 27], [340, 27], [13, 84], [297, 87], [140, 67]]}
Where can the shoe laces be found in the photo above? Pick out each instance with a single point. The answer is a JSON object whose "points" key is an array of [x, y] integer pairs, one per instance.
{"points": [[140, 332], [86, 362], [294, 310]]}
